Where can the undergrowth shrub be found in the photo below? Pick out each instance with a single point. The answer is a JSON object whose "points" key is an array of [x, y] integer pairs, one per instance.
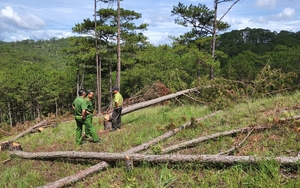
{"points": [[221, 93]]}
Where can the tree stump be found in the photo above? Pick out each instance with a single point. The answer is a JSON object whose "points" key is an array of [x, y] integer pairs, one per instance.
{"points": [[15, 146], [4, 145], [107, 122], [128, 163]]}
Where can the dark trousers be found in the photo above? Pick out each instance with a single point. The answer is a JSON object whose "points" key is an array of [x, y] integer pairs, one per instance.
{"points": [[116, 118]]}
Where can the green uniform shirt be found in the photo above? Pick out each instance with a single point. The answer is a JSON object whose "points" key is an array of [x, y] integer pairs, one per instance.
{"points": [[118, 99], [89, 105], [79, 104]]}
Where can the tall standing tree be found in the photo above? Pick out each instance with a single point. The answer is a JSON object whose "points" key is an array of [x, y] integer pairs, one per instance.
{"points": [[118, 79], [204, 23], [107, 32], [97, 32], [215, 26], [98, 63]]}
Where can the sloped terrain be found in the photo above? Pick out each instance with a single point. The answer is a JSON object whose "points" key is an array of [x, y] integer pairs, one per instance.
{"points": [[280, 138]]}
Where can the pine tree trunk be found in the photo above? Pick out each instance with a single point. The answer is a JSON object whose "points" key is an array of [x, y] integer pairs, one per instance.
{"points": [[168, 158]]}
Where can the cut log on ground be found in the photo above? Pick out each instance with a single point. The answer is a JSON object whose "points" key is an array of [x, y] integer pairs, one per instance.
{"points": [[4, 145], [166, 135], [5, 161], [196, 141], [238, 145], [43, 123], [5, 133], [103, 165], [40, 129], [167, 158]]}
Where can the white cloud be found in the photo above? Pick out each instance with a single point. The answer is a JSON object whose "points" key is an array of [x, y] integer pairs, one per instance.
{"points": [[10, 18], [287, 13], [265, 3]]}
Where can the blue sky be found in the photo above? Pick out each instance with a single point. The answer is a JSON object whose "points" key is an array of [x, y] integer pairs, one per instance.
{"points": [[45, 19]]}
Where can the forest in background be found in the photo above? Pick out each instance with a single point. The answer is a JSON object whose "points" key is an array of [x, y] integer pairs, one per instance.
{"points": [[40, 78]]}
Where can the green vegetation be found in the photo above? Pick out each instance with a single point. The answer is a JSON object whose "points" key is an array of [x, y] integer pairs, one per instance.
{"points": [[41, 78], [255, 74], [143, 125]]}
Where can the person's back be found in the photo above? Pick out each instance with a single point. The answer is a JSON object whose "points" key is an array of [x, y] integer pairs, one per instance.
{"points": [[78, 103]]}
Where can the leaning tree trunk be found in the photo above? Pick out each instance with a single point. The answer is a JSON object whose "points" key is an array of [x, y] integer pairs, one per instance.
{"points": [[155, 101], [167, 158]]}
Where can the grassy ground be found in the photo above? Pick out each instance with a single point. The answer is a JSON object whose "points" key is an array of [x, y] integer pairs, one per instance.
{"points": [[146, 124]]}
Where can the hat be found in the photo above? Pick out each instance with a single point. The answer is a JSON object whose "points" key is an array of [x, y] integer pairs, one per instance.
{"points": [[115, 88]]}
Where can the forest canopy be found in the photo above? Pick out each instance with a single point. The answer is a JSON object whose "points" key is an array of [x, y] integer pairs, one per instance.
{"points": [[39, 78]]}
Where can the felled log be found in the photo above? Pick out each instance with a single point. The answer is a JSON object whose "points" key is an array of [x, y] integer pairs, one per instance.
{"points": [[200, 139], [40, 129], [155, 101], [167, 158], [103, 165], [74, 178], [28, 130], [5, 133], [6, 144], [236, 146], [5, 161], [166, 135]]}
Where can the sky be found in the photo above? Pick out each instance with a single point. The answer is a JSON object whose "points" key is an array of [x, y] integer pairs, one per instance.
{"points": [[45, 19]]}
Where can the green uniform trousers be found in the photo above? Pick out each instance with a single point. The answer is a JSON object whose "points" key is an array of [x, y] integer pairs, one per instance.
{"points": [[88, 126]]}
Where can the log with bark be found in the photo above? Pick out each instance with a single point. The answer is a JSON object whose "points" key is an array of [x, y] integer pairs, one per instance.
{"points": [[5, 133], [145, 104], [43, 123], [166, 158], [40, 129], [8, 144], [166, 135], [196, 141], [103, 165]]}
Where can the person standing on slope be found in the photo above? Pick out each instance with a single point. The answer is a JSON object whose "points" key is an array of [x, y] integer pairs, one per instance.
{"points": [[117, 105]]}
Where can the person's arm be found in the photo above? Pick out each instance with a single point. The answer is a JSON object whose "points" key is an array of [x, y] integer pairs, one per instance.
{"points": [[116, 105], [83, 114], [84, 109]]}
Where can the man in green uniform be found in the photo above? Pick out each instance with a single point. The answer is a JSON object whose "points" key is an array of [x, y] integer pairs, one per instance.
{"points": [[90, 130], [80, 107], [117, 105]]}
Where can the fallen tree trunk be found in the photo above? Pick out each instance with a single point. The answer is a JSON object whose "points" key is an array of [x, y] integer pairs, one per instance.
{"points": [[196, 141], [6, 144], [155, 101], [167, 158], [166, 135], [103, 165], [5, 133], [238, 145], [28, 130]]}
